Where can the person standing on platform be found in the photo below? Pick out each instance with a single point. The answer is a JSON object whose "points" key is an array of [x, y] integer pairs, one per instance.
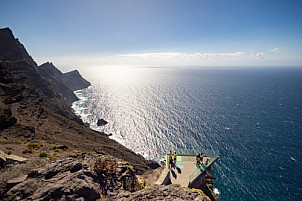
{"points": [[170, 160], [175, 157], [198, 160]]}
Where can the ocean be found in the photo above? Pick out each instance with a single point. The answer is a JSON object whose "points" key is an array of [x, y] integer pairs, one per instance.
{"points": [[252, 116]]}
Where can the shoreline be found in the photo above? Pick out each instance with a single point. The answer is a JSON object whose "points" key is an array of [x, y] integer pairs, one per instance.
{"points": [[84, 117]]}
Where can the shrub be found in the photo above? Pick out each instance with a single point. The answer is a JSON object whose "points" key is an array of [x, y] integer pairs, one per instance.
{"points": [[105, 166], [25, 151], [9, 148], [56, 150], [33, 146], [8, 152], [43, 155]]}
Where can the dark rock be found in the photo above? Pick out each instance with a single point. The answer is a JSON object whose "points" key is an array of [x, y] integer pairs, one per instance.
{"points": [[101, 122], [34, 174], [76, 167], [6, 118], [63, 147], [152, 164]]}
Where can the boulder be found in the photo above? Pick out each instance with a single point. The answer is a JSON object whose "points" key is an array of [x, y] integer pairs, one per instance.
{"points": [[101, 122], [14, 159], [16, 181]]}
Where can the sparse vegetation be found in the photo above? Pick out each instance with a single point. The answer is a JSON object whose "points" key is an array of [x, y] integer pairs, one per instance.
{"points": [[33, 146], [43, 155], [105, 166], [25, 151], [56, 150], [8, 152], [9, 148]]}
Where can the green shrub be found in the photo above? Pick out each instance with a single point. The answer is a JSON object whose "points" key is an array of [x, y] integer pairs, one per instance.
{"points": [[25, 151], [8, 152], [51, 158], [33, 146], [9, 148], [56, 150], [43, 155]]}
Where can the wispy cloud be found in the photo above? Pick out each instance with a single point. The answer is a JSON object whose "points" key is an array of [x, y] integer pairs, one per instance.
{"points": [[182, 55], [173, 59], [260, 55], [275, 49]]}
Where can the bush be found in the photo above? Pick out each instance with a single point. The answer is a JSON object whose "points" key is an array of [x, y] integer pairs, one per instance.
{"points": [[105, 166], [56, 150], [8, 152], [25, 151], [9, 148], [33, 146], [43, 155]]}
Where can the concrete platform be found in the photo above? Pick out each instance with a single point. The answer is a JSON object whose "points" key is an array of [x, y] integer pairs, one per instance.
{"points": [[185, 170]]}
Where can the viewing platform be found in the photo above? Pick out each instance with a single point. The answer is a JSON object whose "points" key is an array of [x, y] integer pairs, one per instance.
{"points": [[186, 173]]}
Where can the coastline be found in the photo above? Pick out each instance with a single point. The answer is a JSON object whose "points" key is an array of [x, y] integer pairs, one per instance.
{"points": [[79, 110]]}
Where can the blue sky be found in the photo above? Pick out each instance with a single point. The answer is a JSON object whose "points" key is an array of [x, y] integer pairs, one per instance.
{"points": [[74, 33]]}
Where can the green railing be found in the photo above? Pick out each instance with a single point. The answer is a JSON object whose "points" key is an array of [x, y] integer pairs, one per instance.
{"points": [[202, 168], [194, 152]]}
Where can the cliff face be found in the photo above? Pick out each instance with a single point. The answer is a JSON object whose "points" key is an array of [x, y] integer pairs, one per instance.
{"points": [[75, 81], [63, 84], [32, 111]]}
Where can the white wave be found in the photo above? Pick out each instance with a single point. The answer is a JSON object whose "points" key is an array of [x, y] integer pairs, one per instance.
{"points": [[216, 191]]}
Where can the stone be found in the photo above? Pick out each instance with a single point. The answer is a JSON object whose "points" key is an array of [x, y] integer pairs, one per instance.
{"points": [[16, 181], [101, 122], [14, 159]]}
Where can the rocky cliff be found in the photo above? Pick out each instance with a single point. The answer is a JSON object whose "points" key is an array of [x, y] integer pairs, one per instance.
{"points": [[32, 110], [63, 84]]}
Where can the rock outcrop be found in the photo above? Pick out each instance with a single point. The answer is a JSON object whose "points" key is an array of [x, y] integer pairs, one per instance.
{"points": [[161, 192], [77, 179]]}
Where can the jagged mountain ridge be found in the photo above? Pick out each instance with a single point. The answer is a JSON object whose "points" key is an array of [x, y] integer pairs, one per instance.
{"points": [[63, 83]]}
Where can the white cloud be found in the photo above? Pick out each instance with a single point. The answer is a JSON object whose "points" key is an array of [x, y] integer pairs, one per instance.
{"points": [[260, 55], [181, 55], [171, 59], [275, 49]]}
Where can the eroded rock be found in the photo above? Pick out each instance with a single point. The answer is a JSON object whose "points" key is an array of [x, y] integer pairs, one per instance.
{"points": [[75, 179]]}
